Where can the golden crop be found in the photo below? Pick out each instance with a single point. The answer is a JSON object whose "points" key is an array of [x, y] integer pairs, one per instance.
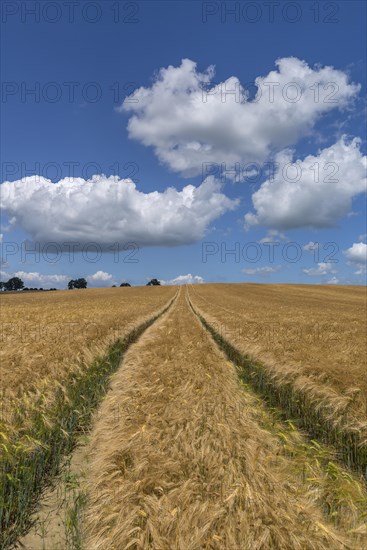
{"points": [[58, 351], [185, 451], [320, 330], [187, 464], [44, 334], [311, 343]]}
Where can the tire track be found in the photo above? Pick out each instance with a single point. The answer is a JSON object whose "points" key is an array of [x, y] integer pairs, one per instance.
{"points": [[183, 465]]}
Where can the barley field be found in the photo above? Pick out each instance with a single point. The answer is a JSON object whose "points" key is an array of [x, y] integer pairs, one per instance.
{"points": [[320, 331], [215, 416], [307, 345], [45, 334], [196, 469], [57, 351]]}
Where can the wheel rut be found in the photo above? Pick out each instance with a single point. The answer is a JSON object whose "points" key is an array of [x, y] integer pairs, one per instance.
{"points": [[177, 459]]}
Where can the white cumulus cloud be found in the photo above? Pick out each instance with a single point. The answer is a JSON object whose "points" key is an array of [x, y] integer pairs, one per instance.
{"points": [[99, 276], [185, 280], [107, 210], [190, 120], [314, 192], [357, 253], [311, 246], [33, 278], [266, 270], [357, 256], [332, 281], [273, 236], [323, 268]]}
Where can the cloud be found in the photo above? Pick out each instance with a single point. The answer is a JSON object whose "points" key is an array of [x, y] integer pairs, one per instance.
{"points": [[321, 191], [311, 246], [218, 123], [332, 281], [99, 277], [267, 270], [32, 278], [357, 255], [59, 281], [107, 210], [185, 280], [273, 236], [362, 237], [323, 268]]}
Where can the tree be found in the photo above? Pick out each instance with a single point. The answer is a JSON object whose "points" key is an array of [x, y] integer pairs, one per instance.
{"points": [[77, 283], [81, 283], [2, 286], [125, 284], [14, 284], [153, 282]]}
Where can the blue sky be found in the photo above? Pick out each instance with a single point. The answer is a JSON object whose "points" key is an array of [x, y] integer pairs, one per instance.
{"points": [[83, 64]]}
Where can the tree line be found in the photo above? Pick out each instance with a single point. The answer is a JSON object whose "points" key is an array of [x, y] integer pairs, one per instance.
{"points": [[15, 283], [82, 283]]}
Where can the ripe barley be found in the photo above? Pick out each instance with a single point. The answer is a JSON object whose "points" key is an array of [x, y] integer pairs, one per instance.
{"points": [[186, 463]]}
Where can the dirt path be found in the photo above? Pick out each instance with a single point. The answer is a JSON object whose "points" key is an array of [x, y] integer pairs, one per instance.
{"points": [[178, 462], [56, 522]]}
